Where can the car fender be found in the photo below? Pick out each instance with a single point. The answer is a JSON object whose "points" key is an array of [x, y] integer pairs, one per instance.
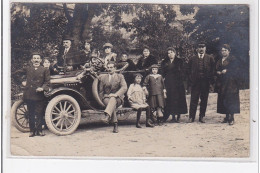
{"points": [[69, 91]]}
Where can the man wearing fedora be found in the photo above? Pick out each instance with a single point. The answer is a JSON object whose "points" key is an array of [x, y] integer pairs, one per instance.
{"points": [[68, 57], [201, 72]]}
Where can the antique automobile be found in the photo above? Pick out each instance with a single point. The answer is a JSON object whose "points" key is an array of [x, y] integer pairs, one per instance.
{"points": [[72, 96]]}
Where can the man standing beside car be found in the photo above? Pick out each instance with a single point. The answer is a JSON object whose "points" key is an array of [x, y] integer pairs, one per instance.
{"points": [[201, 72], [37, 81], [112, 88]]}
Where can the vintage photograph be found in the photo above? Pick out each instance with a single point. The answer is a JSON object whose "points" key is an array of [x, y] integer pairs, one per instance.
{"points": [[139, 80]]}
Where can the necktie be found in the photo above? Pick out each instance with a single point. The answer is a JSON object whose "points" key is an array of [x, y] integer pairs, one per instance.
{"points": [[201, 55], [66, 51], [110, 78]]}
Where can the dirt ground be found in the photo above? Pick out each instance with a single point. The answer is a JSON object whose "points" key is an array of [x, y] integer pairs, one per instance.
{"points": [[95, 139]]}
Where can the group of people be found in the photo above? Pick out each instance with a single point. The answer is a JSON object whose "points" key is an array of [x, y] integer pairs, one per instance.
{"points": [[161, 94]]}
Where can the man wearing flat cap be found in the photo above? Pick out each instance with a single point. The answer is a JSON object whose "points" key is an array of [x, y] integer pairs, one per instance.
{"points": [[68, 55], [37, 81], [201, 71], [109, 55]]}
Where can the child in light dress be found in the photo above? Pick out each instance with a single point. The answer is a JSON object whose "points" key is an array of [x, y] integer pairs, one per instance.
{"points": [[137, 99], [157, 92]]}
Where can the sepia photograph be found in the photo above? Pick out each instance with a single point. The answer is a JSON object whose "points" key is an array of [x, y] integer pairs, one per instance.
{"points": [[130, 80]]}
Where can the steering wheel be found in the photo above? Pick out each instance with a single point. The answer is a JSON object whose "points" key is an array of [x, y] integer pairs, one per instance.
{"points": [[96, 62]]}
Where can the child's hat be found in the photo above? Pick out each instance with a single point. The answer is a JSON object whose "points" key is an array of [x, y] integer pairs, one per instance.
{"points": [[138, 74], [154, 66]]}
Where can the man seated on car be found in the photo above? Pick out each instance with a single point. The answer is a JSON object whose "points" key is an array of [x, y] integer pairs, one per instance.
{"points": [[111, 91], [68, 57]]}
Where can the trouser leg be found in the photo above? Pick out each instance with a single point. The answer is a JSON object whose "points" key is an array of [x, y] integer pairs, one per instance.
{"points": [[204, 94], [194, 99], [31, 111], [39, 115], [110, 105]]}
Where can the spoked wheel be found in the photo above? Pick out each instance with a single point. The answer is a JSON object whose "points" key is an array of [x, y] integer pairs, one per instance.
{"points": [[20, 116], [63, 115]]}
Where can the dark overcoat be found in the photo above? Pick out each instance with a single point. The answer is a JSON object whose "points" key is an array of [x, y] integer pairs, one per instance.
{"points": [[173, 74], [72, 58], [227, 86], [35, 78], [146, 63]]}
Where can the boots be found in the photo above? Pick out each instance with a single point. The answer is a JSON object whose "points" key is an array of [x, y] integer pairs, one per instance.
{"points": [[148, 118], [138, 119], [231, 119], [32, 134], [173, 119], [178, 118], [159, 121], [226, 119], [148, 121], [115, 130], [153, 118]]}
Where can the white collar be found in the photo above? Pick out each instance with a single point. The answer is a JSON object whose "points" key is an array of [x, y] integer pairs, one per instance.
{"points": [[155, 75], [201, 56]]}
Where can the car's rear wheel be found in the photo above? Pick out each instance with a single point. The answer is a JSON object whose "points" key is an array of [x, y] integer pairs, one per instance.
{"points": [[62, 115], [20, 116]]}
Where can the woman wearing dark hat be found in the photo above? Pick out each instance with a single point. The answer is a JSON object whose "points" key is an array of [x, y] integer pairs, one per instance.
{"points": [[137, 99], [109, 55], [227, 85], [146, 60], [172, 71]]}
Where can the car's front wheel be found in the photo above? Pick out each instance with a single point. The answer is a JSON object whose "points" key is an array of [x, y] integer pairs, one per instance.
{"points": [[63, 115]]}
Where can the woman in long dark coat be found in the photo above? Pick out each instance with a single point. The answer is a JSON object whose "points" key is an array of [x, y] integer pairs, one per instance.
{"points": [[172, 71], [227, 85]]}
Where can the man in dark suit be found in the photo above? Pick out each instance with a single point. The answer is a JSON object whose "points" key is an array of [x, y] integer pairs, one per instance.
{"points": [[111, 90], [68, 57], [37, 81], [201, 71]]}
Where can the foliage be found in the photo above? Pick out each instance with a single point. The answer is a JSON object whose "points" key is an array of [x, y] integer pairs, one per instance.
{"points": [[156, 26]]}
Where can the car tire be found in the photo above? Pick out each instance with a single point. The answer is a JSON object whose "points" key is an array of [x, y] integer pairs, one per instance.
{"points": [[63, 115], [95, 93], [20, 117]]}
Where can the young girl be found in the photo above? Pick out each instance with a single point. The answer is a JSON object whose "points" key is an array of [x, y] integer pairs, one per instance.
{"points": [[157, 92], [137, 99], [47, 64]]}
